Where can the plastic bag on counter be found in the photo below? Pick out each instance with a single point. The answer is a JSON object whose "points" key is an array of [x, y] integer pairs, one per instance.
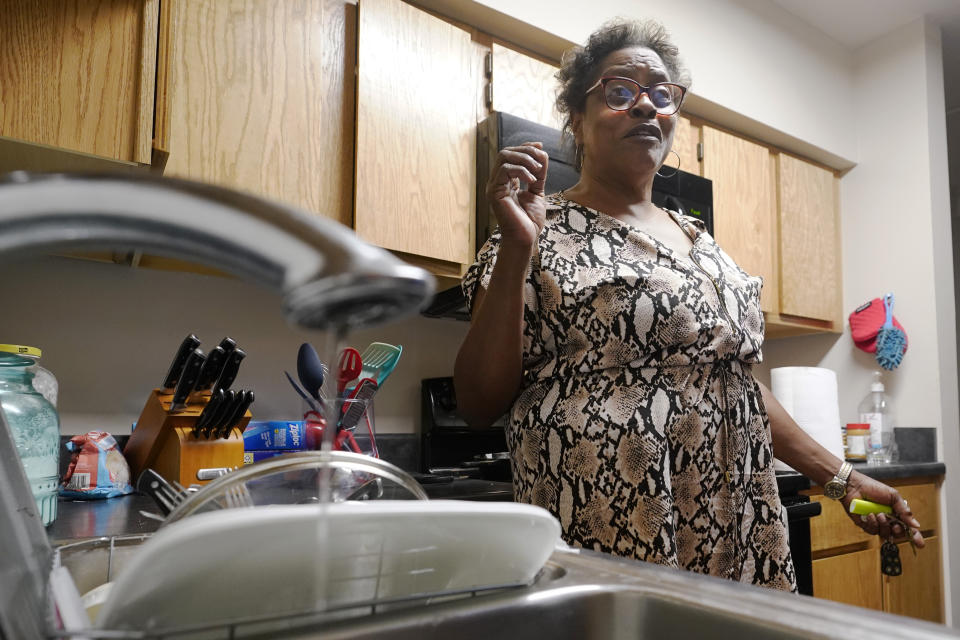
{"points": [[97, 468]]}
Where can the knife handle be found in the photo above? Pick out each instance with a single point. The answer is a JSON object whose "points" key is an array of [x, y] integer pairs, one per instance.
{"points": [[224, 411], [211, 369], [213, 405], [230, 369], [187, 381], [244, 400], [189, 343], [228, 344]]}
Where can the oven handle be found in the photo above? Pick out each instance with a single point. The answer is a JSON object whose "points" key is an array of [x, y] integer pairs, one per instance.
{"points": [[803, 510]]}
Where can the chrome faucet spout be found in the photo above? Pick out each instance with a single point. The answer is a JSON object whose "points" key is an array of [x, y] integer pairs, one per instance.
{"points": [[328, 277]]}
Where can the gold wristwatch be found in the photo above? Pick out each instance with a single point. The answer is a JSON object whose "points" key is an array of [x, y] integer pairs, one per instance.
{"points": [[837, 488]]}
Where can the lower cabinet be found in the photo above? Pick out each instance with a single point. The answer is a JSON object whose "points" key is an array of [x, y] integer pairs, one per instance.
{"points": [[846, 561], [851, 578], [916, 593]]}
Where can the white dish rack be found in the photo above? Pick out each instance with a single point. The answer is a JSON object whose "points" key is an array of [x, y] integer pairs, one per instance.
{"points": [[214, 575]]}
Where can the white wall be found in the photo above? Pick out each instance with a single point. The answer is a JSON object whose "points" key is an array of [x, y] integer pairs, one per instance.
{"points": [[108, 333]]}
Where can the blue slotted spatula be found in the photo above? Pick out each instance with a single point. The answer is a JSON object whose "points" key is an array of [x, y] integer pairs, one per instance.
{"points": [[379, 360]]}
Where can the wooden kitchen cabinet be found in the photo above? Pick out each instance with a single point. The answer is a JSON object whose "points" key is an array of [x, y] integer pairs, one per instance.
{"points": [[744, 206], [913, 594], [78, 75], [809, 234], [778, 217], [258, 96], [850, 578], [686, 142], [846, 561], [523, 86], [417, 112]]}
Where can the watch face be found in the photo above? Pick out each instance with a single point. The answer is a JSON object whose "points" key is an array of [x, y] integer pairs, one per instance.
{"points": [[835, 489]]}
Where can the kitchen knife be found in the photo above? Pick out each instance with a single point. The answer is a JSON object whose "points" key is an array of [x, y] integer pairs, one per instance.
{"points": [[212, 367], [230, 369], [188, 378], [189, 343], [209, 411], [223, 426], [224, 411], [228, 344], [245, 400]]}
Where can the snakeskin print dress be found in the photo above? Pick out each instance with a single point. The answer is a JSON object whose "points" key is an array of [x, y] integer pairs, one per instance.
{"points": [[639, 424]]}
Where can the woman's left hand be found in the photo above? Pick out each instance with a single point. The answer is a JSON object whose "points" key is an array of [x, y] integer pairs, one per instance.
{"points": [[866, 488]]}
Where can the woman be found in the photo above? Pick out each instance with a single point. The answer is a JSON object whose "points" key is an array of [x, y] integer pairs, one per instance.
{"points": [[621, 340]]}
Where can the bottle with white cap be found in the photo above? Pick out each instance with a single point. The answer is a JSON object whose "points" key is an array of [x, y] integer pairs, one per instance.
{"points": [[875, 410]]}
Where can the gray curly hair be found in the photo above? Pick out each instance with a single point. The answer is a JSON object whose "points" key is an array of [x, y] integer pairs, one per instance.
{"points": [[579, 65]]}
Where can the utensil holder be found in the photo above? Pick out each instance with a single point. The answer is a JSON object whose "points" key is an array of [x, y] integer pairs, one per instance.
{"points": [[165, 442]]}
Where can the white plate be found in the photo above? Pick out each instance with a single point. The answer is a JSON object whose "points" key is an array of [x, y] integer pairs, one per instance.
{"points": [[242, 563]]}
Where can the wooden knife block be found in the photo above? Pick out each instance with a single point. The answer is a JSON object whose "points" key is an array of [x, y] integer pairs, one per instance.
{"points": [[164, 442]]}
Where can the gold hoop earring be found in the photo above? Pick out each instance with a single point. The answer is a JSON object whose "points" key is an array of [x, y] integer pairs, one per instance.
{"points": [[578, 157], [675, 169]]}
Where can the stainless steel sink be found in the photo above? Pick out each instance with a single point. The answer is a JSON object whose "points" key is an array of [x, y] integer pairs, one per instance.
{"points": [[591, 596], [579, 594]]}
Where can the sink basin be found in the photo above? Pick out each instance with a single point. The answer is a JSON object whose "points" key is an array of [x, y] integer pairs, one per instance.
{"points": [[583, 595], [591, 596]]}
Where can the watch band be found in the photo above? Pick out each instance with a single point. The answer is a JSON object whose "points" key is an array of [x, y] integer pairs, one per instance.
{"points": [[845, 470]]}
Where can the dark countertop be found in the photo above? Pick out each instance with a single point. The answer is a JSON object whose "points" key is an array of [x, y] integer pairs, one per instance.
{"points": [[892, 471], [900, 469], [79, 519]]}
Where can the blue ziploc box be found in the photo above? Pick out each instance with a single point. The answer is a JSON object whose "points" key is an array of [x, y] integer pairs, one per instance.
{"points": [[249, 457], [286, 435]]}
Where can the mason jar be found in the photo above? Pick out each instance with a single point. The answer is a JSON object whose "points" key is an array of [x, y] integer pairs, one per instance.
{"points": [[35, 427]]}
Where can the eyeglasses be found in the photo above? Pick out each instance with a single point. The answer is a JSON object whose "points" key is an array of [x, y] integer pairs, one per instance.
{"points": [[621, 94]]}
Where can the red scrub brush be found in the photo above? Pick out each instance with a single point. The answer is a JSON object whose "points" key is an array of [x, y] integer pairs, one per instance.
{"points": [[891, 341]]}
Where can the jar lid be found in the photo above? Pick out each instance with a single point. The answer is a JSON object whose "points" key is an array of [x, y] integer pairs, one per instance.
{"points": [[20, 349], [858, 425]]}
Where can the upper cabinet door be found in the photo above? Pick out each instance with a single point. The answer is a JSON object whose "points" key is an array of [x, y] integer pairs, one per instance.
{"points": [[524, 86], [809, 242], [79, 74], [686, 141], [255, 97], [744, 206], [418, 79]]}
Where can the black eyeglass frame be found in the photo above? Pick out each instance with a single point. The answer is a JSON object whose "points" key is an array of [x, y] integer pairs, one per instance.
{"points": [[602, 82]]}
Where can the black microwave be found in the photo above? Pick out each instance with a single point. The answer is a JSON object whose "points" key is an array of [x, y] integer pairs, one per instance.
{"points": [[682, 191]]}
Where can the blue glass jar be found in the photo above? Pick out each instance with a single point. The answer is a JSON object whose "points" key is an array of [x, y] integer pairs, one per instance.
{"points": [[35, 426]]}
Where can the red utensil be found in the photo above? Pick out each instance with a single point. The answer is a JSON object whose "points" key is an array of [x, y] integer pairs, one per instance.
{"points": [[349, 367]]}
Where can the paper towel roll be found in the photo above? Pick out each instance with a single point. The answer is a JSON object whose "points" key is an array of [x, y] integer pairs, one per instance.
{"points": [[809, 395]]}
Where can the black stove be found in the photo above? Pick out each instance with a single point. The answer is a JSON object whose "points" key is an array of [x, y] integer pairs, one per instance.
{"points": [[449, 446]]}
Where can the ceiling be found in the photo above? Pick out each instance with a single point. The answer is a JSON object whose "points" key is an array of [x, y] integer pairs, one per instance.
{"points": [[854, 23]]}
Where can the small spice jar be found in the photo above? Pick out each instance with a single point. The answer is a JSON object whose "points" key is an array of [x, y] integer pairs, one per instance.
{"points": [[858, 441]]}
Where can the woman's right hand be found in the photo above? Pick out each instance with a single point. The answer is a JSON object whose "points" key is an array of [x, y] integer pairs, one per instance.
{"points": [[521, 213]]}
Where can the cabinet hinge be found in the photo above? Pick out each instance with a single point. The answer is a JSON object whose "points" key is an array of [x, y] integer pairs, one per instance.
{"points": [[488, 64], [699, 152], [488, 95]]}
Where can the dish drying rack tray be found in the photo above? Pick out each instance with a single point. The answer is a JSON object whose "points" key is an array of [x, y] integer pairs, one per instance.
{"points": [[266, 624]]}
